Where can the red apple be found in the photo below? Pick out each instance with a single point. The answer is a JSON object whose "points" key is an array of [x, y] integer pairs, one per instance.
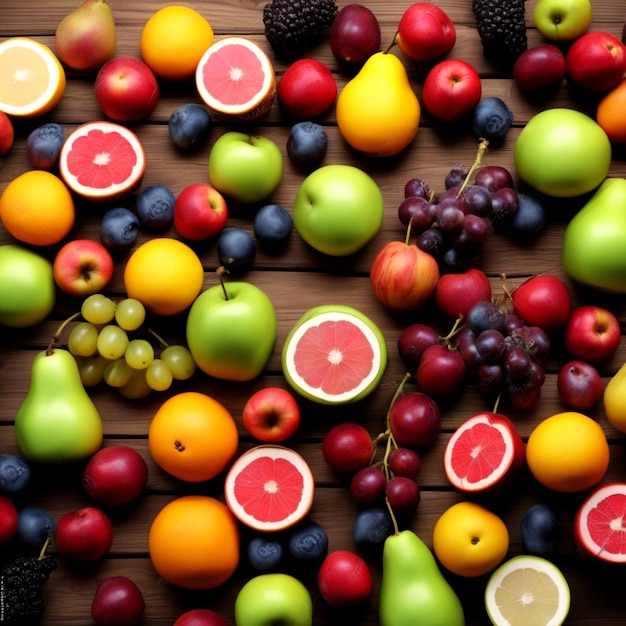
{"points": [[126, 89], [115, 475], [425, 32], [451, 90], [592, 334], [118, 601], [200, 212], [596, 61], [271, 415], [82, 267], [457, 293], [201, 617], [441, 371], [579, 385], [84, 535], [539, 68], [414, 419], [354, 34], [344, 578], [8, 520], [307, 89], [543, 301], [402, 276], [7, 134]]}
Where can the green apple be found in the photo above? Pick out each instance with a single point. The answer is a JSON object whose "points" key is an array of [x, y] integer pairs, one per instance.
{"points": [[231, 331], [270, 599], [562, 153], [247, 168], [27, 287], [562, 20], [595, 239], [338, 209]]}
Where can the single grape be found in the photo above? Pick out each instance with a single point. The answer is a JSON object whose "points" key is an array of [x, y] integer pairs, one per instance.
{"points": [[137, 387], [418, 211], [159, 375], [416, 187], [524, 394], [477, 229], [83, 339], [530, 217], [504, 204], [512, 322], [493, 177], [466, 347], [455, 260], [477, 200], [117, 373], [404, 462], [517, 363], [368, 485], [456, 176], [490, 344], [180, 361], [91, 370], [98, 309], [432, 241], [449, 216], [537, 343], [112, 342], [485, 314], [139, 354], [403, 494], [490, 378], [130, 314]]}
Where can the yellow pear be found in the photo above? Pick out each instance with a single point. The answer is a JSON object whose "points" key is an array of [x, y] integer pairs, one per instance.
{"points": [[378, 112], [615, 399]]}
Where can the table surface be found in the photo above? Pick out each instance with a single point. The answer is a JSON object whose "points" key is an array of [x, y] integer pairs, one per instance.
{"points": [[296, 280]]}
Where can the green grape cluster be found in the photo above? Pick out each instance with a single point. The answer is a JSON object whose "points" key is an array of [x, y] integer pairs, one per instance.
{"points": [[106, 349]]}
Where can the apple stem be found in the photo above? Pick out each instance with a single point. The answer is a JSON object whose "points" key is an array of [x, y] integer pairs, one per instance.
{"points": [[482, 148], [59, 332], [221, 270]]}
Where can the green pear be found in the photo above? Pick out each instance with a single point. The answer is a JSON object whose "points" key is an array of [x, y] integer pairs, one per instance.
{"points": [[57, 422], [413, 589], [594, 242], [86, 38]]}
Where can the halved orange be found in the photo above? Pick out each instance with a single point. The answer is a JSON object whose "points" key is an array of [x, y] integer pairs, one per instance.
{"points": [[32, 79]]}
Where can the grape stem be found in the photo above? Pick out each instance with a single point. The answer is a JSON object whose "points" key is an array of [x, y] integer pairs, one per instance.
{"points": [[480, 153], [44, 549], [162, 341], [59, 332]]}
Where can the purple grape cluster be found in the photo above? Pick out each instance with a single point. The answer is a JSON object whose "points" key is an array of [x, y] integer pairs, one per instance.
{"points": [[504, 356]]}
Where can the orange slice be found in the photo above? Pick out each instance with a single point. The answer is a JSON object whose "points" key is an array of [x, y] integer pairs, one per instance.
{"points": [[32, 80]]}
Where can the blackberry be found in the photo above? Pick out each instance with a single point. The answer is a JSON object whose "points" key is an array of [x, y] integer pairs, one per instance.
{"points": [[502, 30], [293, 26]]}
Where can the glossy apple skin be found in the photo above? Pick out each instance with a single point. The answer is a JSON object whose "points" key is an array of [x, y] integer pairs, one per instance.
{"points": [[274, 598], [596, 61], [271, 415], [247, 331], [8, 520], [562, 20], [347, 447], [27, 287], [344, 578], [354, 34], [579, 385], [307, 89], [441, 371], [82, 267], [338, 209], [118, 601], [247, 168], [201, 617], [84, 535], [200, 212], [457, 293], [543, 301], [7, 133], [425, 32], [451, 90], [592, 334], [403, 277], [562, 153], [115, 475], [415, 420], [539, 68], [126, 89]]}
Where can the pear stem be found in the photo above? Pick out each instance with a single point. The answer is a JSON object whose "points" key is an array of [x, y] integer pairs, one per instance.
{"points": [[482, 148], [59, 332], [392, 44], [221, 270]]}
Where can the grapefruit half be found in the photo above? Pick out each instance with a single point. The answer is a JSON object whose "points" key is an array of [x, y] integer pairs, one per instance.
{"points": [[236, 78], [484, 453], [334, 355], [102, 161], [269, 488], [600, 523]]}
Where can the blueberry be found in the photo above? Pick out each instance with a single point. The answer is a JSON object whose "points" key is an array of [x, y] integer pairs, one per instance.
{"points": [[118, 229], [236, 249], [492, 119], [34, 526], [14, 474], [307, 143], [43, 146], [272, 225], [371, 527], [264, 553], [530, 217], [540, 529], [155, 206], [189, 126], [309, 542]]}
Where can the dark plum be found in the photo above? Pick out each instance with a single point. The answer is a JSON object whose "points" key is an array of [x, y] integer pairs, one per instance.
{"points": [[272, 225], [34, 526], [530, 217], [540, 529], [264, 553], [539, 68], [307, 143], [308, 542], [189, 126], [236, 249], [371, 527], [155, 206], [485, 314], [118, 229], [354, 34], [492, 119], [14, 474], [412, 342], [43, 145]]}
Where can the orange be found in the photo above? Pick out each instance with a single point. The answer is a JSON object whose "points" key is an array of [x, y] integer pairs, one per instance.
{"points": [[610, 113], [165, 275], [32, 79], [193, 437], [173, 40], [568, 452], [37, 208], [469, 539], [194, 542]]}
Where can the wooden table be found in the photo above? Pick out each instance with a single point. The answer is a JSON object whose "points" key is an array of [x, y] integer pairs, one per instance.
{"points": [[297, 280]]}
